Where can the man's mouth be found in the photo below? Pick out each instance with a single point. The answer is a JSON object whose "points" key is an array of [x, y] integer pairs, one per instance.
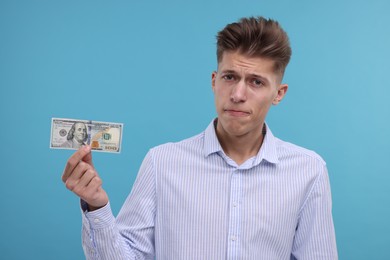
{"points": [[235, 112]]}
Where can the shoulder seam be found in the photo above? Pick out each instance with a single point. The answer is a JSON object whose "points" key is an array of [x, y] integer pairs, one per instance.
{"points": [[301, 150], [311, 190]]}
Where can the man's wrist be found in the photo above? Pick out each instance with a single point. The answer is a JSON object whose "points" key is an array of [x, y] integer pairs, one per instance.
{"points": [[93, 208]]}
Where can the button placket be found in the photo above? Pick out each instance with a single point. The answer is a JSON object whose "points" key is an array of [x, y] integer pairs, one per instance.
{"points": [[234, 220]]}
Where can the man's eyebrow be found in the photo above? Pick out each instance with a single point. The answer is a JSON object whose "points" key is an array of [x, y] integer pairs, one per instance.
{"points": [[229, 71], [253, 75], [256, 75], [265, 79]]}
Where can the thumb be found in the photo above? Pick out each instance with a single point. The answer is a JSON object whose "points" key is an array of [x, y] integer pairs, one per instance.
{"points": [[88, 157]]}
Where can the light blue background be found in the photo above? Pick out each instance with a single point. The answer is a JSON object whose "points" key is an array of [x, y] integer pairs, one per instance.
{"points": [[148, 65]]}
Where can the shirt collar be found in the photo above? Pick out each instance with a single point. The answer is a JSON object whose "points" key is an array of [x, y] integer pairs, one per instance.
{"points": [[267, 151], [211, 143]]}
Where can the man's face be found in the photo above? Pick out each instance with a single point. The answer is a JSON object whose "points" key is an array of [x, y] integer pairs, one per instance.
{"points": [[244, 89], [80, 132]]}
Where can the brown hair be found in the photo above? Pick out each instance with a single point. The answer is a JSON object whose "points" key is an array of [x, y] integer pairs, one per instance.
{"points": [[256, 37]]}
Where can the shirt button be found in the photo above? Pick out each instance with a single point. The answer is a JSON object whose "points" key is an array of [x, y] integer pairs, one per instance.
{"points": [[234, 204], [233, 238], [96, 220]]}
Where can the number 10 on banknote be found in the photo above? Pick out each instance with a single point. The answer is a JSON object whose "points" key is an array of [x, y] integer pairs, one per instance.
{"points": [[73, 133]]}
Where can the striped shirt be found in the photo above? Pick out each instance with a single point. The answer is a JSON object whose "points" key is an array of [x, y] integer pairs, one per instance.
{"points": [[191, 201]]}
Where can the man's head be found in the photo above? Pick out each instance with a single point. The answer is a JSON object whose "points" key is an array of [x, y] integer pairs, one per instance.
{"points": [[78, 132], [256, 37], [252, 57]]}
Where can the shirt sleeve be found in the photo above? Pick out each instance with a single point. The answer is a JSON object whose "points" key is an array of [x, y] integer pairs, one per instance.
{"points": [[315, 235], [131, 234]]}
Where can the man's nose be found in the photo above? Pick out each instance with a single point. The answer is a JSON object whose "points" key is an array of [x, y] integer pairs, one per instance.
{"points": [[239, 92]]}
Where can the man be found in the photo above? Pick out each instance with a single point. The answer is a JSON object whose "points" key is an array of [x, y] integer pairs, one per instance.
{"points": [[77, 136], [232, 192]]}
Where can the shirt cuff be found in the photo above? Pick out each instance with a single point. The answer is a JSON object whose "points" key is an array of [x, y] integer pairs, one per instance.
{"points": [[100, 218]]}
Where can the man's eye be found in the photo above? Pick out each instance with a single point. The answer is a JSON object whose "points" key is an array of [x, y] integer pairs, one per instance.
{"points": [[257, 82], [228, 77]]}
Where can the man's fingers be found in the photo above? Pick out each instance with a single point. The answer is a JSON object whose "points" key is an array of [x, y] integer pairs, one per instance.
{"points": [[87, 177], [97, 196], [75, 159], [93, 188], [79, 171], [80, 186], [82, 179], [88, 158]]}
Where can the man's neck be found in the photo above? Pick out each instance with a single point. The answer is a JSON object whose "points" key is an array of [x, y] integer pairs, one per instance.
{"points": [[240, 148]]}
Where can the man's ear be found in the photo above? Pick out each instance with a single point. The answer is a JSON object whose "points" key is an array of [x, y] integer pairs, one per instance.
{"points": [[282, 90], [213, 78]]}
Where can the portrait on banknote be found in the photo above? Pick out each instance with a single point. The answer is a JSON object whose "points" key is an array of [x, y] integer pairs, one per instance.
{"points": [[77, 136]]}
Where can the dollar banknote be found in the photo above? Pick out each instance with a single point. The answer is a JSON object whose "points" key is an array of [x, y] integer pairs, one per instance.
{"points": [[73, 133]]}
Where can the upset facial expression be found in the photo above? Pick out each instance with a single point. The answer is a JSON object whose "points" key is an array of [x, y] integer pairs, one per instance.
{"points": [[80, 132], [244, 89]]}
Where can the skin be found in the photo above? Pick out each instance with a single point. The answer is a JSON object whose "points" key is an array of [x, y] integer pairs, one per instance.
{"points": [[244, 90], [82, 179]]}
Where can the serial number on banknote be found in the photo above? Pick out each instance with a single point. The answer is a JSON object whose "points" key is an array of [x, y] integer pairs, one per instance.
{"points": [[73, 133]]}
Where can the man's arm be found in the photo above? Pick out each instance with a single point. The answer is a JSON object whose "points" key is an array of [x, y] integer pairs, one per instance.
{"points": [[315, 236], [103, 236]]}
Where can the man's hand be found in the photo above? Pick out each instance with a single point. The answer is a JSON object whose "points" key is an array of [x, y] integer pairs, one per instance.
{"points": [[82, 179]]}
